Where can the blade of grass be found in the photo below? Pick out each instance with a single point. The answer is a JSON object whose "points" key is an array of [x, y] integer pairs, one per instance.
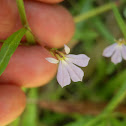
{"points": [[8, 48], [111, 106], [102, 29], [119, 20], [116, 99]]}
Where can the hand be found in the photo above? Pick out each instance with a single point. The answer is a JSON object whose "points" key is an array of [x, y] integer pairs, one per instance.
{"points": [[54, 27]]}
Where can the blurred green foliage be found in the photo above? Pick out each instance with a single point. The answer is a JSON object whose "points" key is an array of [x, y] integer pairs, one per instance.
{"points": [[102, 78]]}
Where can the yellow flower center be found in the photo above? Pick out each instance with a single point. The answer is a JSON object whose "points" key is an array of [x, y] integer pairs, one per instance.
{"points": [[60, 56], [121, 41]]}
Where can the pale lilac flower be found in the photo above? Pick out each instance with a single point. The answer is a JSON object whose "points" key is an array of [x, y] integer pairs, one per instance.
{"points": [[68, 66], [116, 51]]}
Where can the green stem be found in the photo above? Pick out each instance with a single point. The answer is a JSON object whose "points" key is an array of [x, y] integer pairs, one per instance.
{"points": [[21, 9], [116, 100], [119, 20], [111, 106], [100, 10], [95, 120], [93, 12]]}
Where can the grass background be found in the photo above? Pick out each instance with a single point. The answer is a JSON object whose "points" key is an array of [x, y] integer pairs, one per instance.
{"points": [[82, 102]]}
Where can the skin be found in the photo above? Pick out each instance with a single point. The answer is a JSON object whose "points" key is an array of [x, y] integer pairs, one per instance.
{"points": [[51, 1], [53, 26]]}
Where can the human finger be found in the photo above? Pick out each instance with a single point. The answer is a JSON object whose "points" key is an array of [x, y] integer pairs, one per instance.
{"points": [[50, 1], [12, 103], [51, 24], [28, 67]]}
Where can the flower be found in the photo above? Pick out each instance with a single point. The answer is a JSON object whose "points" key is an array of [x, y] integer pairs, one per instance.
{"points": [[116, 51], [68, 66]]}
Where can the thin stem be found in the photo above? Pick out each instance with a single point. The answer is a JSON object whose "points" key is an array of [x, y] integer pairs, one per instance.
{"points": [[116, 100], [21, 9], [95, 120], [111, 106], [119, 20], [93, 12]]}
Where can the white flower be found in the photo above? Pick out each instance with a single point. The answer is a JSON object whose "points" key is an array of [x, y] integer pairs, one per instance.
{"points": [[116, 51], [68, 70]]}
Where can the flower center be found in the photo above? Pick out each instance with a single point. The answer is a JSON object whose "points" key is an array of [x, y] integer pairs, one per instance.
{"points": [[121, 42], [60, 56]]}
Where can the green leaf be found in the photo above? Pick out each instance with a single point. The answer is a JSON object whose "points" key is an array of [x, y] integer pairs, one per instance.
{"points": [[8, 48]]}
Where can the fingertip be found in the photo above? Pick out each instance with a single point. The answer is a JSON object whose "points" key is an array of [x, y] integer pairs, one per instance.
{"points": [[29, 68], [50, 1], [53, 25], [12, 103]]}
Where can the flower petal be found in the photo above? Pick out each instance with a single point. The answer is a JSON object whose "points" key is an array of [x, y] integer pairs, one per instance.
{"points": [[75, 72], [80, 60], [123, 52], [117, 57], [63, 76], [109, 50], [52, 60], [67, 49]]}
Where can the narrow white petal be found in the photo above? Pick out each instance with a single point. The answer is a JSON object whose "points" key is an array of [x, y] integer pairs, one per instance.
{"points": [[67, 49], [63, 76], [117, 57], [52, 60], [80, 60], [123, 52], [109, 50], [76, 74]]}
